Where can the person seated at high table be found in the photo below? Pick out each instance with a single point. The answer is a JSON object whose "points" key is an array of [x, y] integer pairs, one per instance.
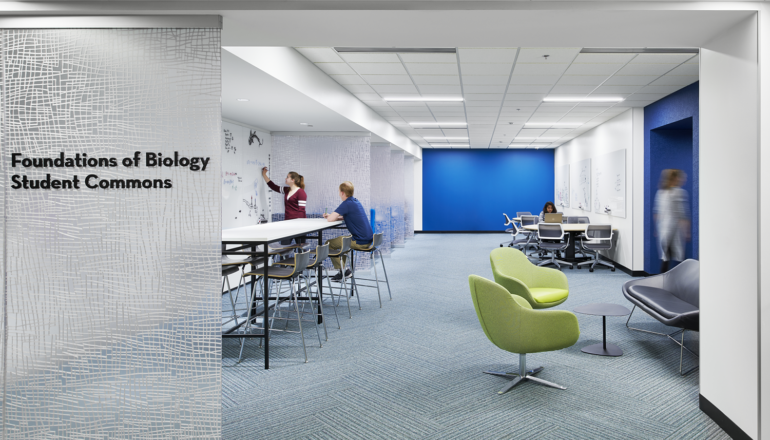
{"points": [[549, 208], [294, 197], [357, 223]]}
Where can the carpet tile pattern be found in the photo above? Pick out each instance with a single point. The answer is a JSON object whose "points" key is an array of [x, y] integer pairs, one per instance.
{"points": [[413, 369]]}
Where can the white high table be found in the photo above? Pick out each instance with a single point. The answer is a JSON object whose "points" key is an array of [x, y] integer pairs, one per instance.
{"points": [[254, 240]]}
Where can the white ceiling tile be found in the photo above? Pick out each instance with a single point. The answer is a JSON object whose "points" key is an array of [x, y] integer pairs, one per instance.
{"points": [[473, 88], [540, 68], [616, 90], [486, 69], [320, 54], [432, 68], [484, 79], [370, 57], [674, 80], [630, 80], [436, 79], [531, 132], [336, 68], [525, 97], [582, 79], [396, 89], [646, 97], [428, 57], [513, 88], [686, 70], [349, 79], [557, 132], [441, 89], [534, 79], [593, 69], [610, 58], [486, 55], [379, 68], [659, 89], [556, 55], [430, 132], [661, 58], [387, 79], [645, 69], [455, 132], [571, 89]]}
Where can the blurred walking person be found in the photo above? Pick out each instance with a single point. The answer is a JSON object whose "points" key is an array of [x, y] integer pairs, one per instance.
{"points": [[672, 217]]}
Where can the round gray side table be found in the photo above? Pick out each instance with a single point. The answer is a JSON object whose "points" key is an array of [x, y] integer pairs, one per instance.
{"points": [[603, 310]]}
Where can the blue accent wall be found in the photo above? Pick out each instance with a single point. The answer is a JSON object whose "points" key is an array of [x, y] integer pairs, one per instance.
{"points": [[671, 128], [469, 190]]}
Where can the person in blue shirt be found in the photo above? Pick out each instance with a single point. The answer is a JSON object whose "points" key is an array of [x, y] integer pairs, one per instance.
{"points": [[357, 223]]}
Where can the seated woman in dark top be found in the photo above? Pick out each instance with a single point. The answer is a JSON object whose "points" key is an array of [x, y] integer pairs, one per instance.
{"points": [[549, 208]]}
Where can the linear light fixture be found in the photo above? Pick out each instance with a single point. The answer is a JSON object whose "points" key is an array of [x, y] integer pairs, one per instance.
{"points": [[553, 124], [438, 124], [535, 138], [395, 49], [423, 99], [583, 99], [242, 100], [446, 138], [450, 145], [640, 50]]}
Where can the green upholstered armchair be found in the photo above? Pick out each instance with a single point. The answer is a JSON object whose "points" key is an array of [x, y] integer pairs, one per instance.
{"points": [[540, 286], [512, 325]]}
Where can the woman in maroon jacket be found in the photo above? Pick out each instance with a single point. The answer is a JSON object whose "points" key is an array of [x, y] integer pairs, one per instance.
{"points": [[294, 196]]}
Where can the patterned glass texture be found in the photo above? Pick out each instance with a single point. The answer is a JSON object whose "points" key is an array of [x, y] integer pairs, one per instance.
{"points": [[112, 303], [381, 194], [397, 197], [408, 197], [324, 162]]}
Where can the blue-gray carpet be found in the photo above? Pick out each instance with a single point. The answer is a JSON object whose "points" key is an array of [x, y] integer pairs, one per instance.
{"points": [[413, 369]]}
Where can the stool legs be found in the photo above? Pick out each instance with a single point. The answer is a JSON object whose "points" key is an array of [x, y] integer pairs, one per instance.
{"points": [[387, 281]]}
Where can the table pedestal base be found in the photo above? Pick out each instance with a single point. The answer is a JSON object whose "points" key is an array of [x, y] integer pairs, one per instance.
{"points": [[598, 349]]}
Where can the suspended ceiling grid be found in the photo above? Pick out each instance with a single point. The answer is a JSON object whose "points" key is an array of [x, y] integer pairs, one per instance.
{"points": [[503, 89]]}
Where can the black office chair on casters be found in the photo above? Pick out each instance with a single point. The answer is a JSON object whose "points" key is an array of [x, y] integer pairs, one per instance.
{"points": [[550, 236], [596, 238], [373, 250]]}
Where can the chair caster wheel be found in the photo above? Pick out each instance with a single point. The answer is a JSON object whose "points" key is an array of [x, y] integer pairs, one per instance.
{"points": [[571, 267], [590, 270], [613, 269], [501, 245]]}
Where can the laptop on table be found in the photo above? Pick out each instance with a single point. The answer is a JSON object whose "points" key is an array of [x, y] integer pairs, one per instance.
{"points": [[553, 218]]}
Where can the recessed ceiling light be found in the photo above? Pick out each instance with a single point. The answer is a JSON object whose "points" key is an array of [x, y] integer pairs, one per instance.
{"points": [[448, 138], [438, 124], [450, 145], [553, 124], [242, 99], [583, 99], [303, 123], [423, 99]]}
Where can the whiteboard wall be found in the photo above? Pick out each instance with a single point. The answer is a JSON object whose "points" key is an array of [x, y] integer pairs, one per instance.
{"points": [[580, 185], [609, 176], [561, 187], [245, 197]]}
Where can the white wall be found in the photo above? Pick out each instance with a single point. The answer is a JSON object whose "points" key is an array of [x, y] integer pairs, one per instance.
{"points": [[764, 268], [245, 195], [729, 161], [619, 133], [417, 194]]}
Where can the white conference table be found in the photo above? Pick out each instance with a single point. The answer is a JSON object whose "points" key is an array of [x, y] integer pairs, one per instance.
{"points": [[572, 229], [254, 240]]}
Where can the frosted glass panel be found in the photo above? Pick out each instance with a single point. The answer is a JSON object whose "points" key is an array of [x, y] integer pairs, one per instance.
{"points": [[324, 162], [381, 193], [409, 197], [113, 305], [397, 196]]}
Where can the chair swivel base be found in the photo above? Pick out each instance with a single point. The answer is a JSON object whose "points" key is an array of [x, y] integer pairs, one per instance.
{"points": [[523, 375]]}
